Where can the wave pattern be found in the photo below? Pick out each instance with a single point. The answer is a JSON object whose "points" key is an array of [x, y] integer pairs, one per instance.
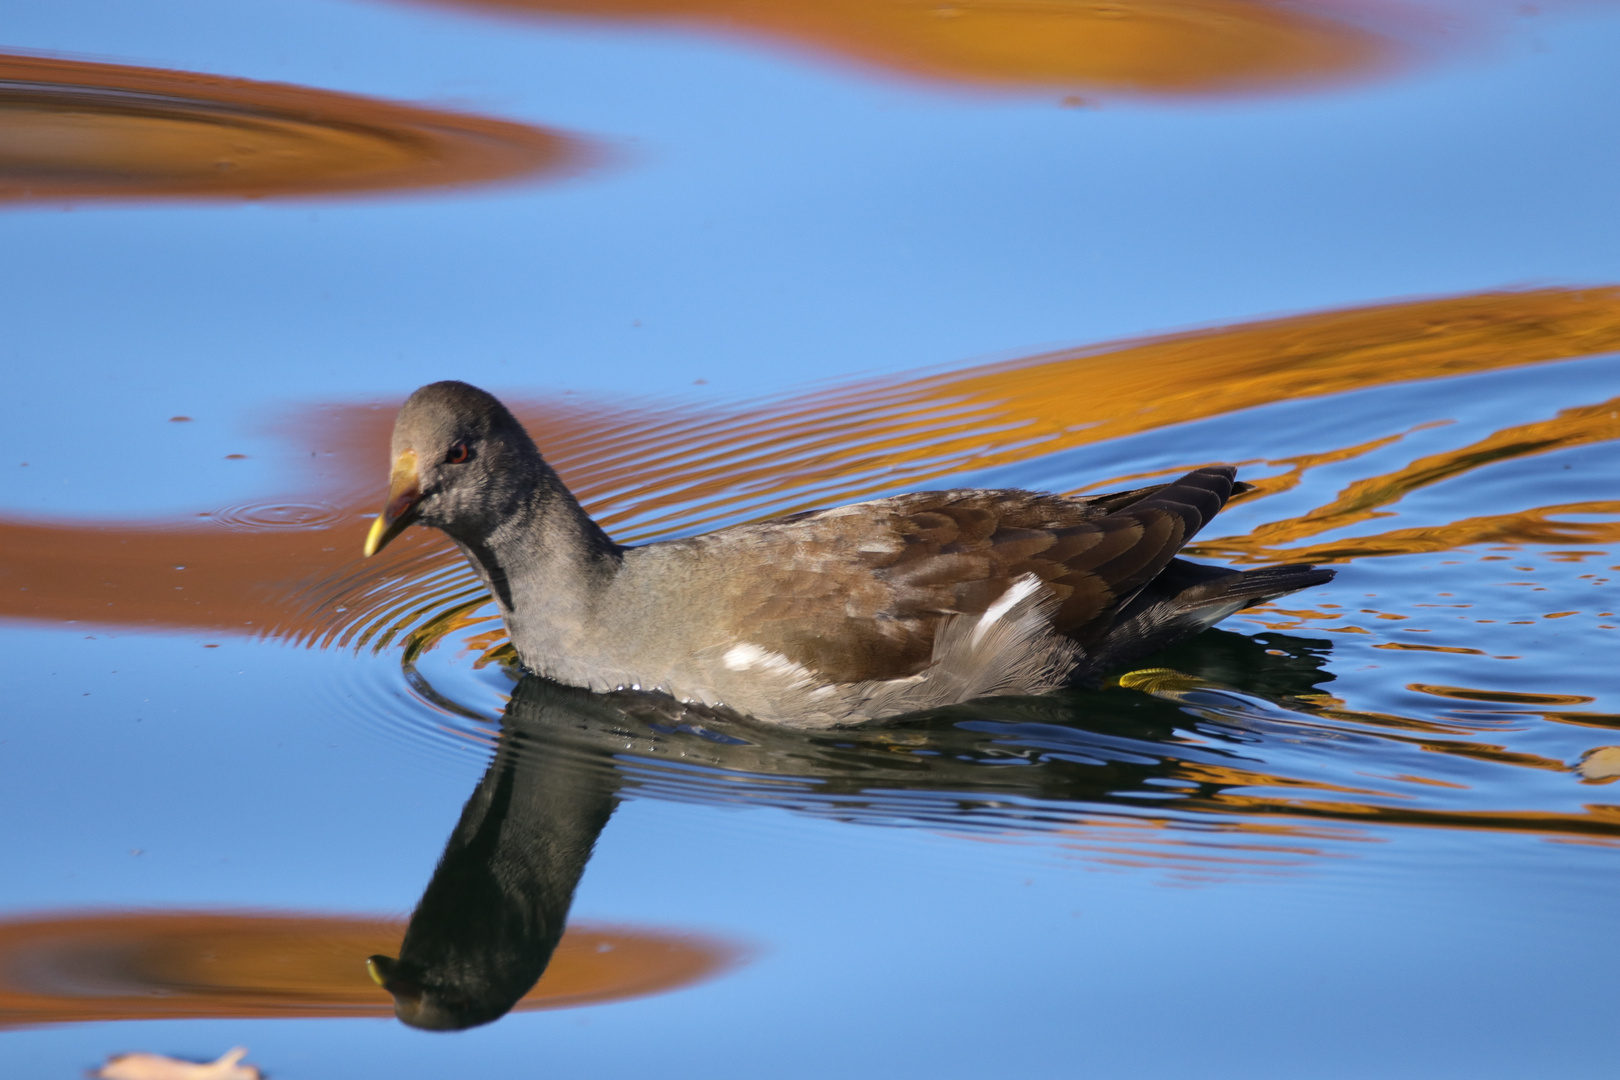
{"points": [[1228, 759], [654, 473], [158, 965], [71, 129], [1477, 525]]}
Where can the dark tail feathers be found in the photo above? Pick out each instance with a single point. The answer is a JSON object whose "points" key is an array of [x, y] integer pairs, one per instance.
{"points": [[1253, 586], [1186, 599]]}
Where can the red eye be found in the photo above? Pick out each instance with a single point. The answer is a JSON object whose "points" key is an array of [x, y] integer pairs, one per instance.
{"points": [[458, 454]]}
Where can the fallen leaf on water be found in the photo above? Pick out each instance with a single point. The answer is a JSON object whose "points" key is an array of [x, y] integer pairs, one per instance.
{"points": [[1600, 766], [159, 1067]]}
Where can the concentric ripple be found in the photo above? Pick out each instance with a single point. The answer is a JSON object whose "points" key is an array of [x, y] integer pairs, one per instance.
{"points": [[206, 964], [1128, 411], [1226, 756], [1471, 629], [1042, 422], [278, 515], [73, 129]]}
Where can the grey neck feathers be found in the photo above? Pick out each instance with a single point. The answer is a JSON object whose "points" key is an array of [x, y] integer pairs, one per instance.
{"points": [[542, 554]]}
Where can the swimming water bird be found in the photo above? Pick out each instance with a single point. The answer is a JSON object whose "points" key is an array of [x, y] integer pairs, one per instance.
{"points": [[824, 618]]}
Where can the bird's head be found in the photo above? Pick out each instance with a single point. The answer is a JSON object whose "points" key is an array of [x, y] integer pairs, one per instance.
{"points": [[460, 460]]}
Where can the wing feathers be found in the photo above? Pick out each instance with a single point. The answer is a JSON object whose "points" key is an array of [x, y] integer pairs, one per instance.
{"points": [[890, 573], [1137, 542]]}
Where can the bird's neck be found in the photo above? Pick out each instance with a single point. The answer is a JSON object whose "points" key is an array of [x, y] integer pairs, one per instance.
{"points": [[546, 558]]}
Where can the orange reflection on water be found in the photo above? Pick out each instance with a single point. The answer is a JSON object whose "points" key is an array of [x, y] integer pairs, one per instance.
{"points": [[1538, 526], [185, 965], [1139, 46], [647, 471], [73, 129], [1363, 500], [1238, 790]]}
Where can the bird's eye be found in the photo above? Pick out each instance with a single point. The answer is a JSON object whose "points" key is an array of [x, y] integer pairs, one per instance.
{"points": [[459, 453]]}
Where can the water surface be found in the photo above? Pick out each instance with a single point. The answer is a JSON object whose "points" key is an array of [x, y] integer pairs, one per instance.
{"points": [[729, 261]]}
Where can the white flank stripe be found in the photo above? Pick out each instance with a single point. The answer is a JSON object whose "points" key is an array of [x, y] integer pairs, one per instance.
{"points": [[748, 657], [744, 656], [1016, 592]]}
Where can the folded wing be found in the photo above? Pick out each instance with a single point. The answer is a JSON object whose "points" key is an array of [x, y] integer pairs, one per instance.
{"points": [[864, 590]]}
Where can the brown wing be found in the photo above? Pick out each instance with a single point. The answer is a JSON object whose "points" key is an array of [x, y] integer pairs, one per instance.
{"points": [[862, 591]]}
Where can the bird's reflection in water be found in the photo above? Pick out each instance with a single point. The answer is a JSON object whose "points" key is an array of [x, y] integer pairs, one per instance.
{"points": [[494, 911], [487, 924]]}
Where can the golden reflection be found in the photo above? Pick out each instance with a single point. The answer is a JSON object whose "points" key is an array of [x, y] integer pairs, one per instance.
{"points": [[646, 471], [1538, 526], [1137, 46], [289, 566], [1247, 847], [1505, 697], [1599, 822], [190, 965], [70, 129], [666, 470], [1227, 789], [1363, 500]]}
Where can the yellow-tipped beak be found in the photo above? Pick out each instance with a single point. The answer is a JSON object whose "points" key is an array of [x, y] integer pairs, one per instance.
{"points": [[374, 968], [404, 492]]}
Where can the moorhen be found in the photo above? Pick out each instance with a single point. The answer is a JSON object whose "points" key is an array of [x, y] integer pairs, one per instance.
{"points": [[824, 618]]}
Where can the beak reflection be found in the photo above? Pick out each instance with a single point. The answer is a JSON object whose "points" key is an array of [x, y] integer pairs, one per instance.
{"points": [[380, 968]]}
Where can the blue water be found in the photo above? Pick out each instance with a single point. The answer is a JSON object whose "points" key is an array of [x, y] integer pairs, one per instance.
{"points": [[1410, 882]]}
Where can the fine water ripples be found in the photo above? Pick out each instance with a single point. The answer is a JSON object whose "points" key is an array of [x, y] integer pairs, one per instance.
{"points": [[1452, 456], [72, 129], [1075, 420], [1393, 697], [278, 515], [204, 964], [441, 694], [1230, 753], [1045, 421]]}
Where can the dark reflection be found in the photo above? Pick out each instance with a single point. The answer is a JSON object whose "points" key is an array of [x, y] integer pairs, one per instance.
{"points": [[1280, 668], [495, 908], [494, 911]]}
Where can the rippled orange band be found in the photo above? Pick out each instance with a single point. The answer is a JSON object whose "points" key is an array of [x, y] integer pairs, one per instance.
{"points": [[70, 129], [186, 965], [647, 470]]}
